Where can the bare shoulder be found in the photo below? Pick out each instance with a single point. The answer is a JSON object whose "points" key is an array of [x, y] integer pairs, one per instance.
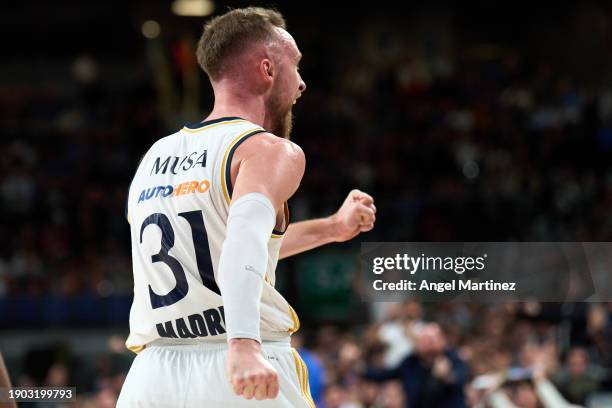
{"points": [[269, 164], [270, 146]]}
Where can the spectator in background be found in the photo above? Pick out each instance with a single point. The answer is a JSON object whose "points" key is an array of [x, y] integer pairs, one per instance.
{"points": [[397, 330], [538, 393], [574, 381], [522, 387], [368, 393], [334, 396], [392, 396], [433, 376]]}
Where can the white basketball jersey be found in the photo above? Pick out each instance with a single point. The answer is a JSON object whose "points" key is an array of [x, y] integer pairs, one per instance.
{"points": [[177, 207]]}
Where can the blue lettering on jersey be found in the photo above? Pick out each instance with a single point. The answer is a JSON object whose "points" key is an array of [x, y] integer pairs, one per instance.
{"points": [[177, 164], [208, 323]]}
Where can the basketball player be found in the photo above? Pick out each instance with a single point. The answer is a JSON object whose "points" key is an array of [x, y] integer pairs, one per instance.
{"points": [[209, 221]]}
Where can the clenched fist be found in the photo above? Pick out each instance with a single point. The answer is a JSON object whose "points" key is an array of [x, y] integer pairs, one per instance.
{"points": [[248, 372], [357, 214]]}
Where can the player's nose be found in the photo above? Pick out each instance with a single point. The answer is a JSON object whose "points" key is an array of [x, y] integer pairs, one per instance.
{"points": [[302, 86]]}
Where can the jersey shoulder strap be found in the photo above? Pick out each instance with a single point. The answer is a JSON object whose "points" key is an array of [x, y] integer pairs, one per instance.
{"points": [[232, 137]]}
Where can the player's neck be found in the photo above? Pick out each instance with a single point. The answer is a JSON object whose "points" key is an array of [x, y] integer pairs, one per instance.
{"points": [[243, 100], [250, 108]]}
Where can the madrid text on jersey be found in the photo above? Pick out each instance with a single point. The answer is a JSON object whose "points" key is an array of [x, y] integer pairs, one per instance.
{"points": [[188, 187], [178, 163], [210, 322]]}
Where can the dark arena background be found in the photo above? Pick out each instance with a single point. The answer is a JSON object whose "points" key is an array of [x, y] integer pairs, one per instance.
{"points": [[467, 121]]}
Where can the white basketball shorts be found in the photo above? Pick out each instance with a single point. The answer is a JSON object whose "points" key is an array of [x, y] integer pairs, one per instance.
{"points": [[194, 376]]}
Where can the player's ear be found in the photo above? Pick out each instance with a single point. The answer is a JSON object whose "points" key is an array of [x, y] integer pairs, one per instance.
{"points": [[267, 70]]}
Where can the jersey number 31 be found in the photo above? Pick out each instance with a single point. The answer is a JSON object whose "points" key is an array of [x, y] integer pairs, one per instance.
{"points": [[202, 254]]}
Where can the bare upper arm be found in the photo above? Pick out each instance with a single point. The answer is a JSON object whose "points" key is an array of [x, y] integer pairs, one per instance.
{"points": [[267, 164]]}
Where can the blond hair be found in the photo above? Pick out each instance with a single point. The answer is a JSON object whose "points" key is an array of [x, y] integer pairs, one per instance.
{"points": [[230, 34]]}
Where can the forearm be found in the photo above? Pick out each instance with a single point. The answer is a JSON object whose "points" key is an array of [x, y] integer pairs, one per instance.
{"points": [[5, 382], [357, 214], [242, 264], [305, 235]]}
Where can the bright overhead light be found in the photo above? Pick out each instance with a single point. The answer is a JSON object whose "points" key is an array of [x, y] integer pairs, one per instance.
{"points": [[193, 8], [150, 29]]}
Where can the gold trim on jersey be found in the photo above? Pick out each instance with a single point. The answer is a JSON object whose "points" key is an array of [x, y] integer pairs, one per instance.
{"points": [[295, 318], [224, 178], [226, 122], [306, 385], [224, 162], [302, 374], [136, 349]]}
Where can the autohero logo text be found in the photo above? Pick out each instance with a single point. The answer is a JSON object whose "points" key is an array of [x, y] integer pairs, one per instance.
{"points": [[412, 264], [188, 187]]}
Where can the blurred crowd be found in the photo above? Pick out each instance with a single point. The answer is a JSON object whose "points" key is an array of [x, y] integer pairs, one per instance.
{"points": [[98, 379], [454, 142], [526, 355], [446, 355], [489, 147]]}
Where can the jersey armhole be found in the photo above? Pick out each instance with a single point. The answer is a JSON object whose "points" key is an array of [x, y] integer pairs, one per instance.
{"points": [[226, 176]]}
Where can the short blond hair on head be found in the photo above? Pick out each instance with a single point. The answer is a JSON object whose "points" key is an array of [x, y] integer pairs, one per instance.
{"points": [[231, 33]]}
